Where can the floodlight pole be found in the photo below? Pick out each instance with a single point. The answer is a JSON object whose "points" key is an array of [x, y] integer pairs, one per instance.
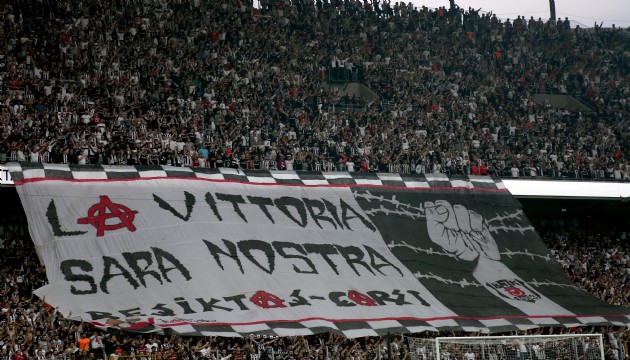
{"points": [[552, 10]]}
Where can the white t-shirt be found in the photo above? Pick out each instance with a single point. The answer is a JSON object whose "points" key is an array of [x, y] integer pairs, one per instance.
{"points": [[82, 158], [34, 156]]}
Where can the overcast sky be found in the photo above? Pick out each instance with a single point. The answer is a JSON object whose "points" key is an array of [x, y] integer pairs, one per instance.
{"points": [[583, 11]]}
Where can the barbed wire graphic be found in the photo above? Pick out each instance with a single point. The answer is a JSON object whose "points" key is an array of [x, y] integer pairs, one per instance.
{"points": [[384, 211], [500, 219], [507, 216], [512, 228], [463, 282], [414, 212], [417, 250], [495, 224], [509, 253], [430, 251], [547, 282]]}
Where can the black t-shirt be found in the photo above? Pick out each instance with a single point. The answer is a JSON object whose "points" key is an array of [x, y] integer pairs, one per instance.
{"points": [[127, 348], [109, 345]]}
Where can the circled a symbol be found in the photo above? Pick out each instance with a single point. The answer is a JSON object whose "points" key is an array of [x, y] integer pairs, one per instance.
{"points": [[360, 298], [99, 214], [266, 300]]}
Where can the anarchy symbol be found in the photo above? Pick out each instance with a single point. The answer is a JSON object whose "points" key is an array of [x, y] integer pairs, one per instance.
{"points": [[360, 298], [99, 213], [266, 300]]}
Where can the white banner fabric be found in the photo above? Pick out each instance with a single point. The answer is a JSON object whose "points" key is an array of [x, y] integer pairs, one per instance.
{"points": [[174, 252]]}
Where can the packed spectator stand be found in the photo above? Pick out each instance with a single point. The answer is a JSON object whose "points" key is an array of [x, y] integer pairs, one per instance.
{"points": [[212, 84], [229, 84]]}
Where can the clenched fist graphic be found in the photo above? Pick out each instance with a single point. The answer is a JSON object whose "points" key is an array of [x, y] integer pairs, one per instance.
{"points": [[459, 231]]}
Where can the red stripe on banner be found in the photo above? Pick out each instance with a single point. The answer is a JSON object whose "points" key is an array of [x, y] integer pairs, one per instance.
{"points": [[34, 180], [380, 319]]}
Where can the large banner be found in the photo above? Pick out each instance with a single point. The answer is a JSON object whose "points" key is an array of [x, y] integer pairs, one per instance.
{"points": [[235, 253], [5, 176]]}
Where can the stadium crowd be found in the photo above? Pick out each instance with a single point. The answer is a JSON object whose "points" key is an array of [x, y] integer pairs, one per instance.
{"points": [[31, 329], [224, 83]]}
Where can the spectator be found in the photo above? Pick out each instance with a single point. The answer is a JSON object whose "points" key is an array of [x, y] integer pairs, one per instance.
{"points": [[84, 344]]}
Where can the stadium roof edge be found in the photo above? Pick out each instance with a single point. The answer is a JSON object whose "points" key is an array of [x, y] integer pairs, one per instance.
{"points": [[569, 189]]}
